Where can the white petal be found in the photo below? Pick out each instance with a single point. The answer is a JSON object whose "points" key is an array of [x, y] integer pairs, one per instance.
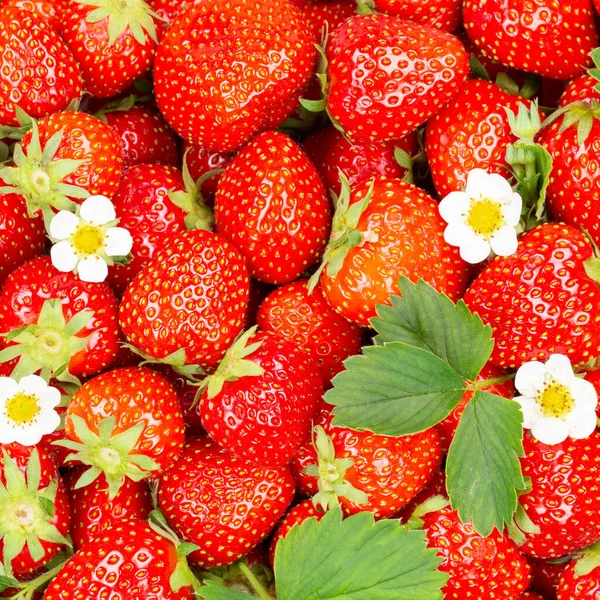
{"points": [[550, 430], [584, 393], [499, 188], [63, 225], [7, 433], [454, 206], [504, 241], [559, 367], [98, 210], [530, 409], [581, 422], [530, 378], [475, 250], [49, 398], [33, 385], [118, 242], [456, 233], [93, 269], [63, 256], [31, 435], [478, 184], [8, 387], [50, 420], [512, 210]]}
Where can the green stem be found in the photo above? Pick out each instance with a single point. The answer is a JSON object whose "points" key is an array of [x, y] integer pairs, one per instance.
{"points": [[478, 385], [256, 585]]}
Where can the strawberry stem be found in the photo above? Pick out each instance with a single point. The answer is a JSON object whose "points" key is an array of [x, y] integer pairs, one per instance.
{"points": [[255, 583], [478, 385]]}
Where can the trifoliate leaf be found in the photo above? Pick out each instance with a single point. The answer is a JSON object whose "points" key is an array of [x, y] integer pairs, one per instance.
{"points": [[483, 470], [356, 559], [424, 318]]}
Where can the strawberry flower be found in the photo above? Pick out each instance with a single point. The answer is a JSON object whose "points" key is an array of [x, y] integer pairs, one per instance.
{"points": [[88, 242], [555, 403], [27, 410], [483, 218]]}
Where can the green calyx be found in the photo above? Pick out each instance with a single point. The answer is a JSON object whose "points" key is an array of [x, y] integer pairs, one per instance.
{"points": [[26, 511], [176, 360], [48, 345], [430, 505], [123, 14], [109, 454], [38, 177], [344, 232], [595, 72], [521, 522], [17, 132], [240, 577], [589, 559], [577, 114], [331, 472], [366, 7]]}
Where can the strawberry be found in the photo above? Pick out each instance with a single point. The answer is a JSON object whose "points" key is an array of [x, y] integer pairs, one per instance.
{"points": [[324, 16], [239, 503], [68, 323], [547, 37], [490, 567], [123, 46], [261, 400], [373, 243], [580, 580], [331, 152], [21, 238], [580, 89], [92, 511], [191, 298], [545, 575], [531, 596], [130, 560], [125, 423], [239, 45], [50, 11], [42, 86], [564, 498], [308, 321], [388, 76], [540, 300], [444, 15], [34, 511], [271, 205], [471, 131], [200, 162]]}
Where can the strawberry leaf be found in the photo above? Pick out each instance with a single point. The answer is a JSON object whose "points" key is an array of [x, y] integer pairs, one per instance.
{"points": [[215, 591], [356, 558], [483, 470]]}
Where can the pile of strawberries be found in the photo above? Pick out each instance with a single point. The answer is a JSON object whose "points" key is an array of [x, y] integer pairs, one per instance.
{"points": [[216, 377]]}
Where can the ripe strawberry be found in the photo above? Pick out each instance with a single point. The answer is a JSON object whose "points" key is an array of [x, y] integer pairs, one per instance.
{"points": [[388, 76], [531, 596], [239, 503], [263, 47], [130, 560], [436, 486], [191, 297], [124, 42], [490, 568], [547, 37], [39, 73], [125, 423], [271, 204], [363, 270], [74, 323], [308, 320], [200, 162], [50, 11], [580, 89], [324, 16], [545, 575], [331, 152], [444, 15], [261, 400], [92, 511], [564, 500], [540, 300], [471, 131], [581, 585]]}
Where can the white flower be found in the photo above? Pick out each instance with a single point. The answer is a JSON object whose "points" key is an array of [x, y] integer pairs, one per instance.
{"points": [[555, 403], [88, 240], [27, 410], [483, 217]]}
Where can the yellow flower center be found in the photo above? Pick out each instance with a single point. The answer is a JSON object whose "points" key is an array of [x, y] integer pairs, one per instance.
{"points": [[22, 408], [87, 239], [485, 217], [555, 400]]}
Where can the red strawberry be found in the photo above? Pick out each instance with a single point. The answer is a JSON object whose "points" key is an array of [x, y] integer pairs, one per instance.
{"points": [[130, 560], [547, 37], [92, 511], [239, 502], [261, 400], [234, 47], [580, 89], [444, 15], [200, 162], [192, 296], [545, 575], [308, 320], [436, 486], [324, 16], [531, 596], [580, 581], [540, 301], [564, 500], [388, 76], [490, 567], [271, 205], [39, 73], [50, 11]]}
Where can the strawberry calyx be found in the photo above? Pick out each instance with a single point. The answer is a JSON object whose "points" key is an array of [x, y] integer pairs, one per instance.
{"points": [[430, 505], [108, 453], [587, 560], [580, 114], [48, 345], [521, 522], [344, 232], [236, 577], [595, 72], [331, 473], [17, 132], [366, 7], [26, 511], [176, 360]]}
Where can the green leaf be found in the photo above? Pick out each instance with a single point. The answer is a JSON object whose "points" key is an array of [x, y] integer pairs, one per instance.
{"points": [[424, 318], [356, 559], [394, 389], [483, 470], [215, 591]]}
